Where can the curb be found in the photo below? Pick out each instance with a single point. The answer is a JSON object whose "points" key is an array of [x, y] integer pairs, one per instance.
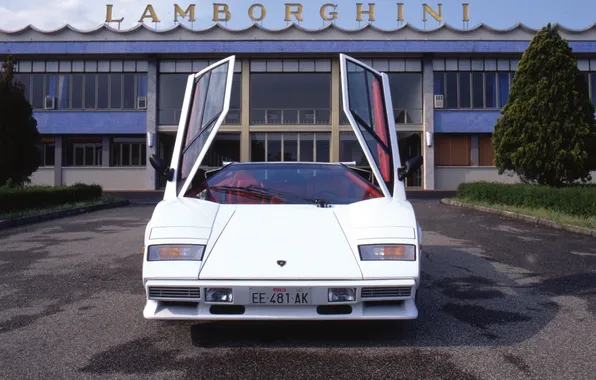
{"points": [[523, 217], [59, 214]]}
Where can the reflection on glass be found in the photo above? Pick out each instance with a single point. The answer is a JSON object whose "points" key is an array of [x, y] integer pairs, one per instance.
{"points": [[206, 106]]}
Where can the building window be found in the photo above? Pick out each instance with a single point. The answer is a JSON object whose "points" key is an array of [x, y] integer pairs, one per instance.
{"points": [[47, 151], [290, 98], [452, 150], [105, 91], [172, 88], [128, 151], [225, 147], [309, 147], [476, 89], [486, 154], [406, 96], [83, 151]]}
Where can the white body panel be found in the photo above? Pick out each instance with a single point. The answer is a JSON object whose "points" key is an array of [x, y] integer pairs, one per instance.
{"points": [[319, 246]]}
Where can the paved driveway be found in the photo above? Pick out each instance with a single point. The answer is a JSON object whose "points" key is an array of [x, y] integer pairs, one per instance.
{"points": [[500, 300]]}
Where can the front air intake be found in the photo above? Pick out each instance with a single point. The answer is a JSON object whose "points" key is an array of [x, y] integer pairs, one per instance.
{"points": [[386, 292], [163, 293]]}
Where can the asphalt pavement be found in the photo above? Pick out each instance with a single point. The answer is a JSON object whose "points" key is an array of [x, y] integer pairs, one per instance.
{"points": [[500, 299]]}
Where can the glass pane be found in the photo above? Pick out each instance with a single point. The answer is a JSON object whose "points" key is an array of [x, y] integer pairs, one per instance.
{"points": [[207, 105], [172, 88], [406, 96], [257, 147], [90, 91], [306, 147], [25, 81], [273, 146], [116, 91], [115, 154], [323, 146], [350, 150], [290, 147], [477, 90], [503, 88], [136, 154], [491, 90], [143, 154], [79, 156], [102, 91], [439, 83], [310, 94], [464, 89], [77, 91], [89, 155], [50, 154], [367, 104], [142, 85], [129, 91], [451, 96], [38, 94], [225, 147]]}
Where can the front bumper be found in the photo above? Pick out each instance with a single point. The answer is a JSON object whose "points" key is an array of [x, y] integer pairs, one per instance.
{"points": [[374, 299]]}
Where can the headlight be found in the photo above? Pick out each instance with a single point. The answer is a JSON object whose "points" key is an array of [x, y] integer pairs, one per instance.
{"points": [[176, 252], [399, 252]]}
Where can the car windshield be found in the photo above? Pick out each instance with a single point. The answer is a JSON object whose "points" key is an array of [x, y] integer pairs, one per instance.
{"points": [[281, 183]]}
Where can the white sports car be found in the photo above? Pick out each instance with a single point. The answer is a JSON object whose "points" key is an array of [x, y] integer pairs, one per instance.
{"points": [[283, 240]]}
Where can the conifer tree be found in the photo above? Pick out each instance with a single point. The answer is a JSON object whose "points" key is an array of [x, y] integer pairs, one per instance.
{"points": [[19, 137], [547, 132]]}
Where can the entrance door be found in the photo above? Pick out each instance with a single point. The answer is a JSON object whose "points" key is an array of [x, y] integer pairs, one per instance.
{"points": [[410, 145], [166, 142]]}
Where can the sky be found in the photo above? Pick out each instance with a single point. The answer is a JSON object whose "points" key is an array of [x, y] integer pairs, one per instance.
{"points": [[500, 14]]}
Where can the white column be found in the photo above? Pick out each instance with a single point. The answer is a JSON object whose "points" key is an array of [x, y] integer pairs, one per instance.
{"points": [[428, 169], [151, 121]]}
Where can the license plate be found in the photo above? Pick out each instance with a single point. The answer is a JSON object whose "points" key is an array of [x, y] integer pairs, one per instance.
{"points": [[280, 296]]}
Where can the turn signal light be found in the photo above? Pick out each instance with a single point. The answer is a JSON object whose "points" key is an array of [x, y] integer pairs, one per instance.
{"points": [[399, 252]]}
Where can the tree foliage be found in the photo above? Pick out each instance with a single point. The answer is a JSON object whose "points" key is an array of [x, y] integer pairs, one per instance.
{"points": [[19, 137], [547, 131]]}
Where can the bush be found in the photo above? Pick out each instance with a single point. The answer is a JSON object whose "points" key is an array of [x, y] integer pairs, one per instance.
{"points": [[37, 197], [578, 200]]}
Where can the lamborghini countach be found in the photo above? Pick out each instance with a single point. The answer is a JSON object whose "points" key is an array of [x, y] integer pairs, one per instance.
{"points": [[283, 240]]}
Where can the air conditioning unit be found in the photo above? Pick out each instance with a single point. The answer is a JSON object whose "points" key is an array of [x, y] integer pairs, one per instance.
{"points": [[50, 103], [438, 101], [142, 102]]}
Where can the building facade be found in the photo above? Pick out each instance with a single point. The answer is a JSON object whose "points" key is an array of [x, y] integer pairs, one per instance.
{"points": [[106, 99]]}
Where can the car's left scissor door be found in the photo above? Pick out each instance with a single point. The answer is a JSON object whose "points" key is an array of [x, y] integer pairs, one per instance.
{"points": [[206, 104]]}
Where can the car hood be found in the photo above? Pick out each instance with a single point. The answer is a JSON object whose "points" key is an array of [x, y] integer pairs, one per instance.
{"points": [[249, 241]]}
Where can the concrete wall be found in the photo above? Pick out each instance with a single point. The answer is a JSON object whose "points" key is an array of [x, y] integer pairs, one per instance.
{"points": [[109, 178], [449, 178], [43, 176]]}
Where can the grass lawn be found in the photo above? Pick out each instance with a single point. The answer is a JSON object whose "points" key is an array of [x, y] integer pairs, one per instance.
{"points": [[66, 206], [554, 216]]}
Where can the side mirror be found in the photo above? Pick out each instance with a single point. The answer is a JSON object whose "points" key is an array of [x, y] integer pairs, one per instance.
{"points": [[160, 166], [411, 166]]}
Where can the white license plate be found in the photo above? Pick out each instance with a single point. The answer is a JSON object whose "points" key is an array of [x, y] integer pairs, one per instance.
{"points": [[280, 296]]}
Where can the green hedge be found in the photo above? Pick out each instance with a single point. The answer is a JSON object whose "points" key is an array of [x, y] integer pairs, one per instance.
{"points": [[38, 197], [573, 200]]}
